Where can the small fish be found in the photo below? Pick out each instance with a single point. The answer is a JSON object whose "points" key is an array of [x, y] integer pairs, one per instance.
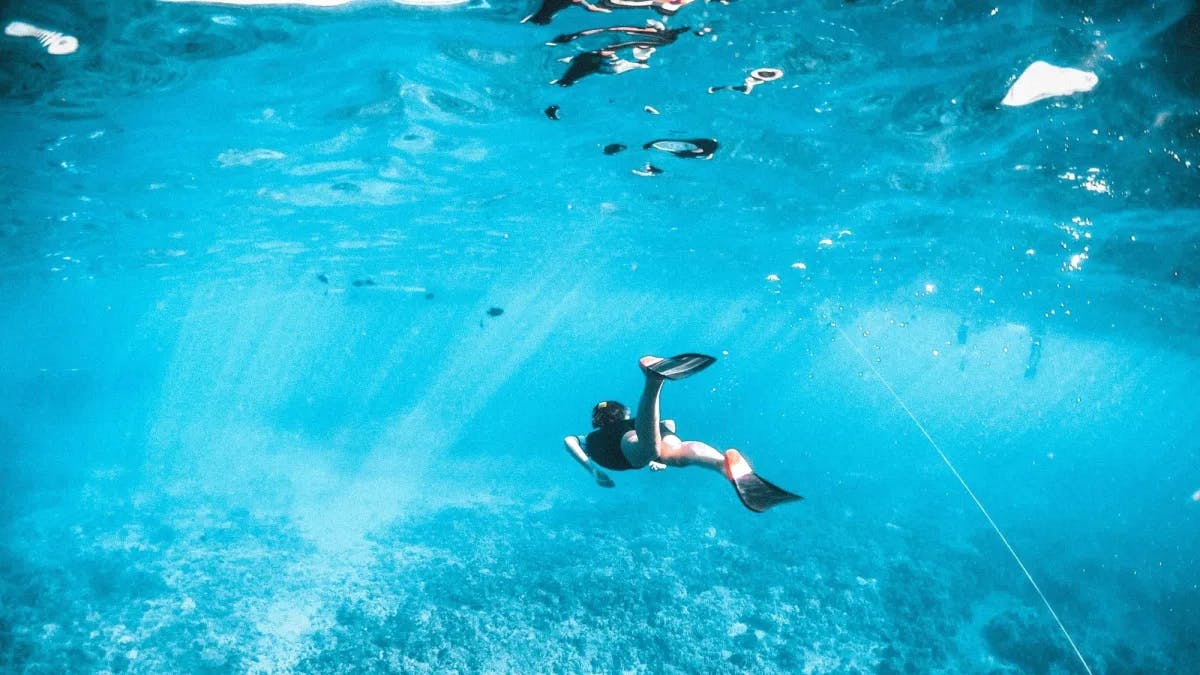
{"points": [[613, 148], [364, 282], [322, 278], [495, 311]]}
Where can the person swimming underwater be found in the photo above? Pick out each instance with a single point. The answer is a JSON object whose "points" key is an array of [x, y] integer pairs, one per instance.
{"points": [[621, 443]]}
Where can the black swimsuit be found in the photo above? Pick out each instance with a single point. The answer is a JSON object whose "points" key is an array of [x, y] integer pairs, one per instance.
{"points": [[603, 445]]}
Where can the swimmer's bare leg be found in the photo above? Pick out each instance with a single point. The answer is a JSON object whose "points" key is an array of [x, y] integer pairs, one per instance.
{"points": [[674, 452], [642, 445]]}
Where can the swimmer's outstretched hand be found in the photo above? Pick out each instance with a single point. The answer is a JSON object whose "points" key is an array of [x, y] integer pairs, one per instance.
{"points": [[603, 480], [657, 466]]}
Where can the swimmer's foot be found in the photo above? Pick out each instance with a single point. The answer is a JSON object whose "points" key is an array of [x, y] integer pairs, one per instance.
{"points": [[757, 493], [675, 367], [736, 465]]}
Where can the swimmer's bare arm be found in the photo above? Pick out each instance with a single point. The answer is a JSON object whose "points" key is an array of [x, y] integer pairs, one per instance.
{"points": [[592, 8], [630, 4], [576, 451]]}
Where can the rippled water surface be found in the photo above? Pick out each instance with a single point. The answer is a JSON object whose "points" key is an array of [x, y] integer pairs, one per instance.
{"points": [[299, 303]]}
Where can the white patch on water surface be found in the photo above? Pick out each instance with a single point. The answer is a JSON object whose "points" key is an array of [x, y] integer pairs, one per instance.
{"points": [[315, 3], [233, 157], [1042, 80], [251, 3], [674, 146], [55, 43], [316, 168]]}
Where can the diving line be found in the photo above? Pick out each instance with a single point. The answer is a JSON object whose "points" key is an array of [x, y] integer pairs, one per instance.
{"points": [[962, 481]]}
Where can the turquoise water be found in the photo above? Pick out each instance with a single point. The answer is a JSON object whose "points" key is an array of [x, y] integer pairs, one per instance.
{"points": [[258, 414]]}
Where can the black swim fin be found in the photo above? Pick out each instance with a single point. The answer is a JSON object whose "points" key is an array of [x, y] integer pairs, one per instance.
{"points": [[547, 11], [681, 365], [756, 492]]}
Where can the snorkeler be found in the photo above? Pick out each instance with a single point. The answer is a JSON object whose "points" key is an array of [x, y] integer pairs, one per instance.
{"points": [[619, 443]]}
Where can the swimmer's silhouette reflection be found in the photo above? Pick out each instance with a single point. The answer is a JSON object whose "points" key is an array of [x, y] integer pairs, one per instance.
{"points": [[549, 8], [608, 59]]}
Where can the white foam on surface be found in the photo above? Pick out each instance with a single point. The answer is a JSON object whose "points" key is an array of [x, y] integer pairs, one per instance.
{"points": [[1042, 80], [55, 43], [316, 3], [252, 3], [234, 157]]}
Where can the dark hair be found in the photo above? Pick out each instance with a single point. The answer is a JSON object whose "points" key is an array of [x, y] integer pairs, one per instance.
{"points": [[608, 412]]}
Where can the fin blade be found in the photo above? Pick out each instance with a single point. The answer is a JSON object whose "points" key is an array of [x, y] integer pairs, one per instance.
{"points": [[681, 366], [760, 494]]}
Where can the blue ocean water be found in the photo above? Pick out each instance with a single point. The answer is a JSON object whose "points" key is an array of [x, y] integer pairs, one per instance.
{"points": [[260, 409]]}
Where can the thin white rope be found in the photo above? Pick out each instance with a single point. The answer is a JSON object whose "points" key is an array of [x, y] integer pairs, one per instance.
{"points": [[962, 481]]}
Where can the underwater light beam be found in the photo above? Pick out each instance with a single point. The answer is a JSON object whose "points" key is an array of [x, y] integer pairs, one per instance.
{"points": [[971, 493]]}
